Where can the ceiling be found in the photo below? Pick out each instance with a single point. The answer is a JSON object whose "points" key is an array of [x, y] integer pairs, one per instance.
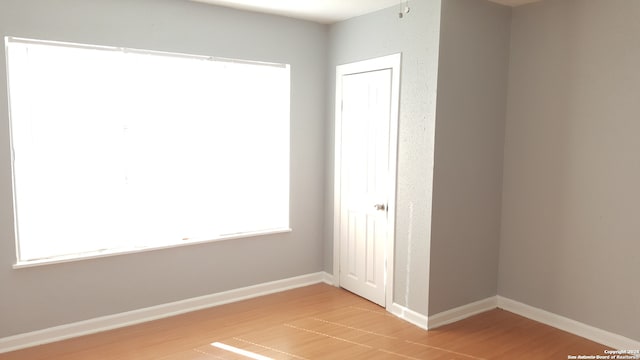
{"points": [[324, 11], [514, 2]]}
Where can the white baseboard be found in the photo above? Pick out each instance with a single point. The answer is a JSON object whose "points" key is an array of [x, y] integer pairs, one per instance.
{"points": [[409, 315], [462, 312], [110, 322], [571, 326], [328, 279], [577, 328]]}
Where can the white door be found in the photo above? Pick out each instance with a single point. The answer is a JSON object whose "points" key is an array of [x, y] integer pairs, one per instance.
{"points": [[366, 129]]}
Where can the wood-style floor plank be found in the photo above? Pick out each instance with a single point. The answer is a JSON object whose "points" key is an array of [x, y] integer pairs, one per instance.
{"points": [[317, 322]]}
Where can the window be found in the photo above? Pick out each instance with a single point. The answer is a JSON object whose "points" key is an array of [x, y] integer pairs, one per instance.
{"points": [[118, 149]]}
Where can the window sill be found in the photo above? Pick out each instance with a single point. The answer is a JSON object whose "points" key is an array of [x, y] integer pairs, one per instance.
{"points": [[125, 251]]}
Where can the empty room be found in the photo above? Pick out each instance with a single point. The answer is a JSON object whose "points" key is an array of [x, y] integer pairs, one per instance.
{"points": [[319, 179]]}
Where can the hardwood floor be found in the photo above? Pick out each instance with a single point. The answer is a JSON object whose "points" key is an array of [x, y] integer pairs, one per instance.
{"points": [[317, 322]]}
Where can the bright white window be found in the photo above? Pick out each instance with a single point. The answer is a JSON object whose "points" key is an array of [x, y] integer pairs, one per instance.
{"points": [[119, 149]]}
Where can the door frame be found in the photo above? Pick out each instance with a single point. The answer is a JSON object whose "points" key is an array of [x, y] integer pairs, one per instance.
{"points": [[392, 62]]}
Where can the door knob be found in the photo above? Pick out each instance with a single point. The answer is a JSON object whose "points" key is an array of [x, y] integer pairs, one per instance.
{"points": [[380, 207]]}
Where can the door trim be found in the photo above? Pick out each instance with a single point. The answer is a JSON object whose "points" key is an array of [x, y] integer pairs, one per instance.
{"points": [[392, 62]]}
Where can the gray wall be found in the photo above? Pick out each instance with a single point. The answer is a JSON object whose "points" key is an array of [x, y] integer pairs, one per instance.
{"points": [[570, 231], [46, 296], [472, 92], [416, 36], [569, 238]]}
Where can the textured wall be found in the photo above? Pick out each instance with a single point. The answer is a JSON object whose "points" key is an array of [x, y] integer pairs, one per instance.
{"points": [[469, 140], [416, 37], [570, 235], [41, 297]]}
